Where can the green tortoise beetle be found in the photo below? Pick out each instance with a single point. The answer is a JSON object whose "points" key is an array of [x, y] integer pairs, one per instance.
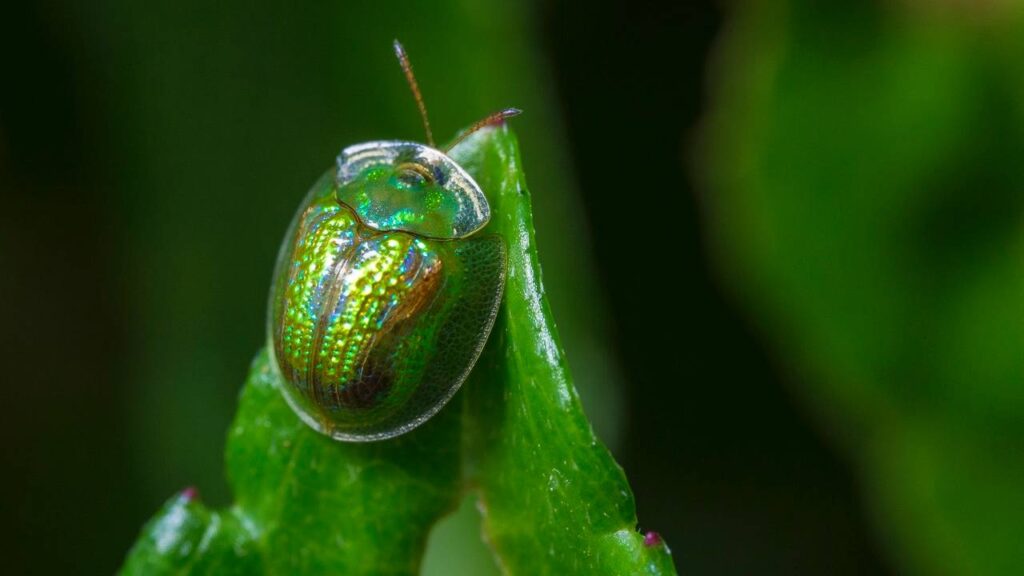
{"points": [[384, 291]]}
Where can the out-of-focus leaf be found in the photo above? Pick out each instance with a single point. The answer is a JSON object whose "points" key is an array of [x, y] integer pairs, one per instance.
{"points": [[867, 193], [555, 501]]}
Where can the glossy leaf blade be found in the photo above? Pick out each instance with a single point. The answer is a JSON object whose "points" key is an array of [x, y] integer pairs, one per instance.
{"points": [[554, 500]]}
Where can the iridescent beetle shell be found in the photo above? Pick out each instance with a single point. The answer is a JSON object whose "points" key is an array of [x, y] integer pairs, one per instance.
{"points": [[385, 291]]}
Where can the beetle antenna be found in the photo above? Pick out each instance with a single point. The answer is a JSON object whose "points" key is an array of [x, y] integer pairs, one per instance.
{"points": [[403, 59], [496, 118]]}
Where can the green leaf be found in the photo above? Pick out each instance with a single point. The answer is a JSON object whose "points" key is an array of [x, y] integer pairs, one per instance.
{"points": [[554, 500], [866, 173]]}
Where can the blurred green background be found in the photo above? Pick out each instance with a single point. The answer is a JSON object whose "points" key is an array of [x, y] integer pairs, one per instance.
{"points": [[784, 242]]}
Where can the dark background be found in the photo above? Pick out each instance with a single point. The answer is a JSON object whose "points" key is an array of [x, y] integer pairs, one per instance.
{"points": [[150, 158]]}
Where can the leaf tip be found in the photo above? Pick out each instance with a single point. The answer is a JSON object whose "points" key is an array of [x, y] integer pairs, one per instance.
{"points": [[652, 538], [190, 494]]}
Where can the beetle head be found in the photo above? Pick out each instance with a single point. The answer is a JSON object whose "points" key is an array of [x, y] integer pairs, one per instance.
{"points": [[394, 185]]}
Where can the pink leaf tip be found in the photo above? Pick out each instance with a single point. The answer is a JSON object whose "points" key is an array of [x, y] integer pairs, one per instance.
{"points": [[652, 538]]}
